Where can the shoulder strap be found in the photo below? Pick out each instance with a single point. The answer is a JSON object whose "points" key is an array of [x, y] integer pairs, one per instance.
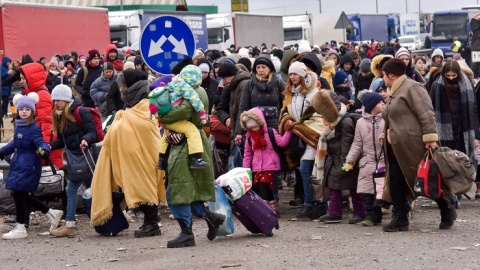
{"points": [[85, 73], [272, 139], [76, 114], [377, 158]]}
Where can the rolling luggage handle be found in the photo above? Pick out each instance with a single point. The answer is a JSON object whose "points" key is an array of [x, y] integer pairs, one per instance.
{"points": [[88, 162]]}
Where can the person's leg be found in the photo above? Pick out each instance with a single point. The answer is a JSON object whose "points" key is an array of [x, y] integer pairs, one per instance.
{"points": [[69, 228], [150, 222], [298, 190], [19, 231], [183, 215], [306, 167], [358, 209], [194, 140], [447, 213], [54, 216], [334, 213], [397, 192], [214, 220]]}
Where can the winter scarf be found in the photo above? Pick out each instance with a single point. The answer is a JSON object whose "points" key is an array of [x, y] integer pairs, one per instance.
{"points": [[444, 118], [326, 135], [135, 93], [258, 139]]}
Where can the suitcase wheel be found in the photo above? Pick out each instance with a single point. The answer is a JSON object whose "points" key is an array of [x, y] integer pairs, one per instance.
{"points": [[277, 226], [270, 234]]}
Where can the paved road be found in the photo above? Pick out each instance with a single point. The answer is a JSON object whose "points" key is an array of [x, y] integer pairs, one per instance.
{"points": [[297, 245]]}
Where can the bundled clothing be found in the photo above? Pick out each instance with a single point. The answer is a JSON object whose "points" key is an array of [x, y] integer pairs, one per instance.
{"points": [[54, 78], [99, 91], [93, 72], [328, 71]]}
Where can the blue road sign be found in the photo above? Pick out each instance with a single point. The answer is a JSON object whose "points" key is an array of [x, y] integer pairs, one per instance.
{"points": [[165, 41]]}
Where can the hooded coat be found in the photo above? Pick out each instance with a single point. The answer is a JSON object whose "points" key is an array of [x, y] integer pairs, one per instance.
{"points": [[84, 90], [288, 55], [35, 77], [6, 89], [362, 151], [328, 71], [99, 90], [265, 159], [210, 85]]}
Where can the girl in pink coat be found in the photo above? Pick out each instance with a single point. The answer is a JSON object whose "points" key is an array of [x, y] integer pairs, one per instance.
{"points": [[259, 153]]}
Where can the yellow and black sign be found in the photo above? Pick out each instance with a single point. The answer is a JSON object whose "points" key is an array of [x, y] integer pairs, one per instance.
{"points": [[239, 5]]}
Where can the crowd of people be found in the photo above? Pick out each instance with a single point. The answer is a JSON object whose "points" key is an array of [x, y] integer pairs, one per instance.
{"points": [[331, 116]]}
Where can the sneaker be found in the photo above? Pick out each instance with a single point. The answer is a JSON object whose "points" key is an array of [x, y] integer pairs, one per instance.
{"points": [[355, 220], [54, 216], [367, 223], [67, 229], [18, 232], [331, 219]]}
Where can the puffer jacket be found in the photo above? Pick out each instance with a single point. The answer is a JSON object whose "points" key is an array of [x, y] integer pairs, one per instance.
{"points": [[35, 76], [337, 151], [6, 89], [54, 80], [363, 150], [99, 90], [84, 90], [26, 165], [265, 159], [75, 133], [257, 93]]}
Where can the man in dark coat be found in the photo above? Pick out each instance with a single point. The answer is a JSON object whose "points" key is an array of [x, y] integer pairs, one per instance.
{"points": [[82, 83], [210, 85]]}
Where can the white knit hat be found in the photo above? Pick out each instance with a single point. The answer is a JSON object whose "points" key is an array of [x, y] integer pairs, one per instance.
{"points": [[298, 68], [402, 51], [62, 92]]}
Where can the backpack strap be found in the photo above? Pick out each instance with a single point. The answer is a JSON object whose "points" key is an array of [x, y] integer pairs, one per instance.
{"points": [[272, 139], [85, 74], [76, 114]]}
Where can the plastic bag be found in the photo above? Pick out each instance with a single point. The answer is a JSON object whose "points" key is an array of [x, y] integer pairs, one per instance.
{"points": [[236, 182], [221, 206]]}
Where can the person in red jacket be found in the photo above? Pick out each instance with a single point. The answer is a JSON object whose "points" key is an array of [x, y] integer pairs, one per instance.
{"points": [[33, 77]]}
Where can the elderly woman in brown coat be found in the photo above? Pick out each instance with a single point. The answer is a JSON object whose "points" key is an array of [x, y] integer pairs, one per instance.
{"points": [[410, 129]]}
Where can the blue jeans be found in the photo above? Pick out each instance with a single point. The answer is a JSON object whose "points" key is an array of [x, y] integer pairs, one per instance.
{"points": [[306, 168], [72, 189], [184, 212]]}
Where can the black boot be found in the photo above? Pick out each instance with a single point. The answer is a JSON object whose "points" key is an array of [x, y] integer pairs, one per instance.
{"points": [[196, 162], [447, 213], [399, 222], [184, 239], [306, 212], [150, 224], [214, 221], [318, 211]]}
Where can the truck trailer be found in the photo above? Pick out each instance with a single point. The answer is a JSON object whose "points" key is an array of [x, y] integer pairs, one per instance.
{"points": [[243, 29], [46, 30], [367, 27], [314, 28]]}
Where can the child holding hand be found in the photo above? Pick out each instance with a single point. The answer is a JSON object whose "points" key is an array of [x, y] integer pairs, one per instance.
{"points": [[259, 154]]}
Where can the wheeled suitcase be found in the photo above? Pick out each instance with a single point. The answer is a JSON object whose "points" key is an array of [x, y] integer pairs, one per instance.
{"points": [[255, 214]]}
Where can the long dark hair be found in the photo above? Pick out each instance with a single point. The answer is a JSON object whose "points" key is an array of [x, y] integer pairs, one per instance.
{"points": [[451, 66]]}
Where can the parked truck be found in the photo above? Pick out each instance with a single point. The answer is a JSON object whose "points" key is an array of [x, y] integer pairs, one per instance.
{"points": [[46, 30], [314, 28], [243, 29], [367, 27], [126, 26]]}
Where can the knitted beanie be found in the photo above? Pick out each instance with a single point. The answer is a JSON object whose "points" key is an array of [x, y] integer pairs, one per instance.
{"points": [[118, 65], [246, 62], [340, 77], [298, 68], [62, 92], [128, 65], [107, 66], [263, 59], [131, 76], [402, 51], [394, 66], [365, 65], [29, 101], [226, 70], [93, 53], [370, 100]]}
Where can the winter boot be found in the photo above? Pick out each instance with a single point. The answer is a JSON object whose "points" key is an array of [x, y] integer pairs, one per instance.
{"points": [[185, 238], [295, 202], [274, 205], [447, 213], [318, 211], [214, 221], [196, 162], [67, 229], [399, 222], [18, 232], [306, 212], [54, 216], [150, 225]]}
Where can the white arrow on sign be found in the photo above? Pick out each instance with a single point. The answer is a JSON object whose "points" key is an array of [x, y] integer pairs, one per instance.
{"points": [[156, 47], [180, 47]]}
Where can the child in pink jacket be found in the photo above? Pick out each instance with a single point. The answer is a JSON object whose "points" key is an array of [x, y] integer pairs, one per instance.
{"points": [[259, 154]]}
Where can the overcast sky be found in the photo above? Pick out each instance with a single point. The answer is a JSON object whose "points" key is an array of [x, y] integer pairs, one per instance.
{"points": [[287, 7]]}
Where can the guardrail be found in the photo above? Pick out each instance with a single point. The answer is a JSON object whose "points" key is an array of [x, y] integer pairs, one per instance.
{"points": [[424, 52]]}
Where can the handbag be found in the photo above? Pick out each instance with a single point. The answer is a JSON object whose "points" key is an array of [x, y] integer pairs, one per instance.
{"points": [[51, 181], [79, 165], [321, 193], [428, 182], [458, 172]]}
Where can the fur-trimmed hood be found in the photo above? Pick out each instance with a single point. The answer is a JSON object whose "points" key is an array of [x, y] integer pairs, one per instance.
{"points": [[375, 61], [310, 81], [327, 104], [255, 114]]}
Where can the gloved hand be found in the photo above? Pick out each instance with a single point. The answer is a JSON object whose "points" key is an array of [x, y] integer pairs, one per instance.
{"points": [[43, 153]]}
